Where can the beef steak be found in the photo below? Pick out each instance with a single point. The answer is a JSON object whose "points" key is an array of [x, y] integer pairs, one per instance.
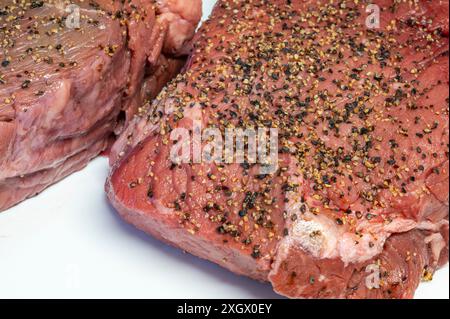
{"points": [[72, 73], [358, 207]]}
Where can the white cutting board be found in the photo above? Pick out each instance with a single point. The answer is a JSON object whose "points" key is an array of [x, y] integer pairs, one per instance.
{"points": [[69, 243]]}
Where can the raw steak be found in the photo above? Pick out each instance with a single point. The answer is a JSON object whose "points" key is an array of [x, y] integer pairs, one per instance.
{"points": [[65, 88], [358, 207]]}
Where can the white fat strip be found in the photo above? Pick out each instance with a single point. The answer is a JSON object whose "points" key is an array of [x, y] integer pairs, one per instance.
{"points": [[323, 238], [435, 227], [314, 233], [437, 243], [355, 249], [317, 236], [309, 235]]}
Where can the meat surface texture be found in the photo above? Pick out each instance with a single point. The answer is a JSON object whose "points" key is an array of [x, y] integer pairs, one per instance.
{"points": [[72, 74], [358, 207]]}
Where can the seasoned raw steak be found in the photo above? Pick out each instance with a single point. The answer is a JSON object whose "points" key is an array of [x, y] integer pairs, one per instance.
{"points": [[358, 207], [71, 72]]}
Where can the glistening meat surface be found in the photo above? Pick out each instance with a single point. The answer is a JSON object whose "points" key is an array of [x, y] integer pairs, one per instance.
{"points": [[72, 74], [362, 179]]}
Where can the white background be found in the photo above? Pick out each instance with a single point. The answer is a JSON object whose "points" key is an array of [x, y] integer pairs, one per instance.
{"points": [[69, 243]]}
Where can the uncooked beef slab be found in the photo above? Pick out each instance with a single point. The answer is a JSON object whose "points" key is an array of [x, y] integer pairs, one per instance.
{"points": [[358, 207], [74, 72]]}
